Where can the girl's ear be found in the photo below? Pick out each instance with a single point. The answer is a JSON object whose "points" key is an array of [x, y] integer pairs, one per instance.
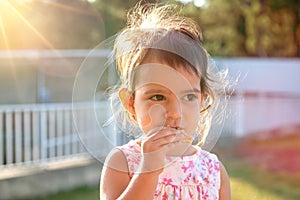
{"points": [[202, 100], [127, 100], [202, 97], [203, 109]]}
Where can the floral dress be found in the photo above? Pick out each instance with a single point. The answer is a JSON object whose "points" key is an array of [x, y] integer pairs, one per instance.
{"points": [[195, 177]]}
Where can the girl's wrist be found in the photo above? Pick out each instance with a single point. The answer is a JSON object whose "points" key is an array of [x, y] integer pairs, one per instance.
{"points": [[150, 169], [148, 175]]}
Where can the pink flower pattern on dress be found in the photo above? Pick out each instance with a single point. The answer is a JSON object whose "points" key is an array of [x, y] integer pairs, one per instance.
{"points": [[195, 177]]}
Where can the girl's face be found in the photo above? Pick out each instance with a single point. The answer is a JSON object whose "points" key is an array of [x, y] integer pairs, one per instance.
{"points": [[165, 97]]}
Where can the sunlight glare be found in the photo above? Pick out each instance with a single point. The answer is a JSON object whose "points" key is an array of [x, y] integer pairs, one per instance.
{"points": [[49, 45], [199, 3], [3, 33], [185, 1], [4, 36], [9, 13]]}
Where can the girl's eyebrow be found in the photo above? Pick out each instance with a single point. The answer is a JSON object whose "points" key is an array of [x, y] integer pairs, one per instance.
{"points": [[159, 91], [194, 90]]}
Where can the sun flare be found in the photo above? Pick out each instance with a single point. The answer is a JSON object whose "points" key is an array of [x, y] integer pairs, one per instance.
{"points": [[49, 24], [12, 18]]}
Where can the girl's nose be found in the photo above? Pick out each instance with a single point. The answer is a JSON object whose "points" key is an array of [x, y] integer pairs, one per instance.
{"points": [[174, 109]]}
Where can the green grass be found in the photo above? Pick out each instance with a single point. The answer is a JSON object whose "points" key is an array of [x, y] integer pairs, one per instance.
{"points": [[257, 184], [246, 183], [86, 193]]}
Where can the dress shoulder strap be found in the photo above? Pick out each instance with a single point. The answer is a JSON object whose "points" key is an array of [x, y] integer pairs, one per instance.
{"points": [[132, 153]]}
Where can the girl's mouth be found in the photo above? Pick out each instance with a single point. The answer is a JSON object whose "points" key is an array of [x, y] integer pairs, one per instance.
{"points": [[188, 138]]}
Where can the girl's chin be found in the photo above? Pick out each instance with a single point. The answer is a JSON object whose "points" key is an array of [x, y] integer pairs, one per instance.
{"points": [[181, 149]]}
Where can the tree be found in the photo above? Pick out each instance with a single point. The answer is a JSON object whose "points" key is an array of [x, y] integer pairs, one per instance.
{"points": [[114, 14], [248, 28], [222, 26], [268, 33], [292, 6]]}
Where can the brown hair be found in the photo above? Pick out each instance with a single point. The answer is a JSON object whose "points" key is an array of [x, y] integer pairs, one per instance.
{"points": [[160, 31]]}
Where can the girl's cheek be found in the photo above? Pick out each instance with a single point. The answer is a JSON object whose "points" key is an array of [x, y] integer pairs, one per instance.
{"points": [[144, 121], [152, 117], [157, 112], [192, 117]]}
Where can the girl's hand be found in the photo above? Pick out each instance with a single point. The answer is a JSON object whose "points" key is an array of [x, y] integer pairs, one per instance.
{"points": [[155, 147]]}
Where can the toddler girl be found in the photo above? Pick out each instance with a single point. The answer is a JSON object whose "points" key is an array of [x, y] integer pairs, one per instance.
{"points": [[169, 95]]}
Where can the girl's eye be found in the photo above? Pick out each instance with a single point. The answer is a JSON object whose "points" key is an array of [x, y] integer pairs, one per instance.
{"points": [[157, 97], [190, 97]]}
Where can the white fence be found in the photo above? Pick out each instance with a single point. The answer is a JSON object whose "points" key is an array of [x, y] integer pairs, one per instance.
{"points": [[262, 112], [38, 133]]}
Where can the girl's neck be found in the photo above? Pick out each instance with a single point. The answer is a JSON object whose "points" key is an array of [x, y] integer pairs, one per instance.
{"points": [[182, 149]]}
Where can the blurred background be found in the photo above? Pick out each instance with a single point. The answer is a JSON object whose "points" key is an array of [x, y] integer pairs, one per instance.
{"points": [[43, 44]]}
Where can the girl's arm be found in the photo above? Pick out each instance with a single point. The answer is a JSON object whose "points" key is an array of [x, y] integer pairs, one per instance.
{"points": [[116, 183], [225, 193], [115, 180]]}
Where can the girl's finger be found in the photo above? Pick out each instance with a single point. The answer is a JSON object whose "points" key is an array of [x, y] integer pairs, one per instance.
{"points": [[161, 132], [154, 145], [169, 139]]}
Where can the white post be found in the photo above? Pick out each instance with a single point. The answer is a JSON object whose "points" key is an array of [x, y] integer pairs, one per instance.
{"points": [[67, 131], [36, 135], [74, 137], [27, 136], [43, 134], [96, 130], [9, 137], [59, 132], [18, 137], [51, 137], [82, 129]]}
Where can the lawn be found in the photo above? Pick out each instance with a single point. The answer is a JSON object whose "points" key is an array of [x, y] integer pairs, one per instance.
{"points": [[246, 183], [257, 184], [84, 193]]}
